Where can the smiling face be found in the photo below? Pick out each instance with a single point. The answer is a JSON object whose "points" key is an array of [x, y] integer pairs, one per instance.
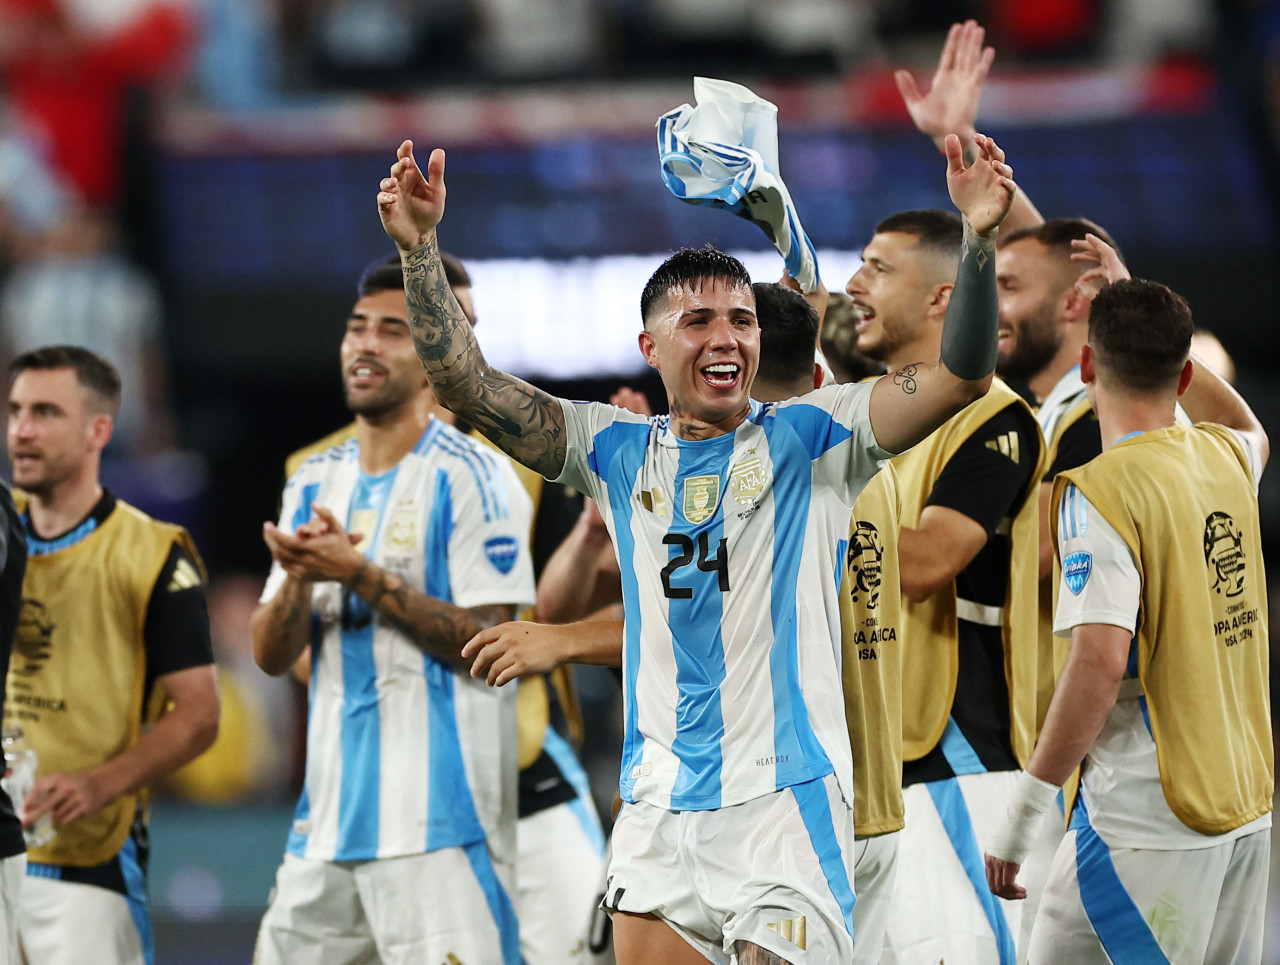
{"points": [[703, 339], [381, 372], [894, 293], [1033, 288]]}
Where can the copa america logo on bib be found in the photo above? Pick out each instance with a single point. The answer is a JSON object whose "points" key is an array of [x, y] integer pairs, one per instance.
{"points": [[502, 552], [1075, 571]]}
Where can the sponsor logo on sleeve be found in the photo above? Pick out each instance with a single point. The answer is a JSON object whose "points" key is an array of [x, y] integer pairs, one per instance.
{"points": [[502, 552], [1075, 571]]}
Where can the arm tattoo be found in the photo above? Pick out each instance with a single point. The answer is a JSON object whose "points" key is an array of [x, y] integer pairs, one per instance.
{"points": [[438, 628], [905, 377], [751, 954], [969, 332], [522, 420]]}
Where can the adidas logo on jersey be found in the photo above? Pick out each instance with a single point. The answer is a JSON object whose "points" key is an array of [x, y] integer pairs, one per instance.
{"points": [[791, 929], [1006, 444], [185, 576]]}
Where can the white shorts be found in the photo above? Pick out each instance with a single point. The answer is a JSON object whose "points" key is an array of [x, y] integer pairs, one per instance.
{"points": [[12, 871], [942, 908], [874, 869], [776, 871], [434, 907], [558, 875], [69, 923], [1123, 905], [63, 922], [1035, 871]]}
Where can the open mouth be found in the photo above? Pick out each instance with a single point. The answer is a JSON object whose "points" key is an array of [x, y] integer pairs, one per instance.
{"points": [[723, 375], [364, 374], [862, 318]]}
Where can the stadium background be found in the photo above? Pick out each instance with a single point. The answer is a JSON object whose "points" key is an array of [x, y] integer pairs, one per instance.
{"points": [[236, 146]]}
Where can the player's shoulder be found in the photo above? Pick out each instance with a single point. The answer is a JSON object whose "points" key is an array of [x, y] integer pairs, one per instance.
{"points": [[319, 463], [318, 448]]}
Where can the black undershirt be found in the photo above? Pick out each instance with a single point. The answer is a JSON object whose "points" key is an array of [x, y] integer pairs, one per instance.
{"points": [[1080, 443], [985, 484]]}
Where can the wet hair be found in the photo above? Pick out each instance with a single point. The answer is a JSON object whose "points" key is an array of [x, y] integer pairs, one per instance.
{"points": [[385, 274], [1058, 235], [1140, 333], [93, 372], [686, 268], [788, 333], [935, 230]]}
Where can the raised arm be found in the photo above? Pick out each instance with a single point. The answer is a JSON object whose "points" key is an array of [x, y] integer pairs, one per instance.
{"points": [[909, 404], [1210, 398], [951, 104], [523, 421]]}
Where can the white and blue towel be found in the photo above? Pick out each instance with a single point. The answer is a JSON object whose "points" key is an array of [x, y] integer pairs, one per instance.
{"points": [[724, 153]]}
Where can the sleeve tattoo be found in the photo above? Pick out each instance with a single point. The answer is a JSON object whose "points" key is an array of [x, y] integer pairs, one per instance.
{"points": [[522, 420], [439, 628]]}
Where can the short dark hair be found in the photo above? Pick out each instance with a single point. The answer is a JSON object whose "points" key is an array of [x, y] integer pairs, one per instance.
{"points": [[93, 372], [1140, 333], [385, 274], [1059, 233], [788, 333], [687, 266], [940, 231]]}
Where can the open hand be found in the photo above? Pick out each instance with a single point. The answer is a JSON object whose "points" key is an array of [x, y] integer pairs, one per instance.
{"points": [[412, 204], [984, 191], [1109, 266], [951, 105]]}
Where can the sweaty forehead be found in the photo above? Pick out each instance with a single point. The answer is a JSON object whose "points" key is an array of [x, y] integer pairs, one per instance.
{"points": [[715, 293]]}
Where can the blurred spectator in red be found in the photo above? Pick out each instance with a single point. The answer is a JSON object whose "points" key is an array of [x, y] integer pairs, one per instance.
{"points": [[69, 67]]}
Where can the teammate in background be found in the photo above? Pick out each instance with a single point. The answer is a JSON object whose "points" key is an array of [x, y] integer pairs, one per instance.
{"points": [[966, 555], [839, 342], [398, 545], [112, 678], [560, 840], [1164, 694], [758, 496], [13, 848]]}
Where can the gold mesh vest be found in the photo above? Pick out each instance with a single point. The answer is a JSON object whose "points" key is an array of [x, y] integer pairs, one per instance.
{"points": [[871, 635], [930, 655], [1182, 500], [78, 671]]}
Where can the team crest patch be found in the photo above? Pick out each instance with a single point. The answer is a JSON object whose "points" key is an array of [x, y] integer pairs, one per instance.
{"points": [[746, 481], [701, 494], [402, 528], [502, 552], [364, 523], [1075, 571]]}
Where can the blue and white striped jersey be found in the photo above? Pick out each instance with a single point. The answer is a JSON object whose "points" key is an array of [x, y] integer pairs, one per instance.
{"points": [[405, 755], [731, 552]]}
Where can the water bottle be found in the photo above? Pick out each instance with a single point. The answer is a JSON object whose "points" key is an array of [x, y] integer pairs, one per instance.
{"points": [[19, 777]]}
